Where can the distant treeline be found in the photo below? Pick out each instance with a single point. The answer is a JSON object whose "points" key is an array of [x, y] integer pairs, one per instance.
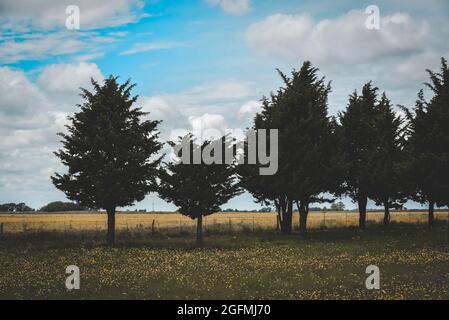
{"points": [[57, 206]]}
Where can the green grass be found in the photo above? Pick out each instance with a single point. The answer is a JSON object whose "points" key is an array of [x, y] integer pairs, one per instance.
{"points": [[327, 264]]}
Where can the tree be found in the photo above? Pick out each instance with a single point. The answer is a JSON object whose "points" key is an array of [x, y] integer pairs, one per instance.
{"points": [[59, 206], [388, 163], [267, 189], [358, 131], [429, 142], [108, 151], [15, 207], [308, 143], [309, 161], [198, 189], [339, 206]]}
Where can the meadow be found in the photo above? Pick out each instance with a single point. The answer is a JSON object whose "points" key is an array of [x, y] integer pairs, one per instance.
{"points": [[237, 262], [329, 263], [95, 221]]}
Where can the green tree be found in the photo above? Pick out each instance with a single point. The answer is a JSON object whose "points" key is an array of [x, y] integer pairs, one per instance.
{"points": [[358, 133], [108, 151], [339, 206], [198, 189], [429, 142], [309, 162], [60, 206], [388, 162]]}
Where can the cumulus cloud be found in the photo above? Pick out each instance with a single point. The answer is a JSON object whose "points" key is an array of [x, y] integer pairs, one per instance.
{"points": [[30, 117], [344, 39], [234, 7], [28, 126], [208, 126], [67, 78], [22, 104], [249, 108]]}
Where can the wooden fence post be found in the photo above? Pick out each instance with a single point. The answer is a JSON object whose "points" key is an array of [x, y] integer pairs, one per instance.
{"points": [[152, 227], [1, 229]]}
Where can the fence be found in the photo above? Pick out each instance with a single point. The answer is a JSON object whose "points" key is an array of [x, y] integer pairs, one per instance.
{"points": [[16, 223]]}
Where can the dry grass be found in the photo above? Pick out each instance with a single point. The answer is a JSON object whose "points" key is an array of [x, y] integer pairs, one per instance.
{"points": [[13, 223]]}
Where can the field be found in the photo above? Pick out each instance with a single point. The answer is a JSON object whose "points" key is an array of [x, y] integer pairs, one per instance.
{"points": [[328, 264], [13, 223]]}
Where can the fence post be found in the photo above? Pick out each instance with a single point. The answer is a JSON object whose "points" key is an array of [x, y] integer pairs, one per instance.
{"points": [[324, 219], [253, 223], [1, 229], [230, 225], [346, 219], [152, 227]]}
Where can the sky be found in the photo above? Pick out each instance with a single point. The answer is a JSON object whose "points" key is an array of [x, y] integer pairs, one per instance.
{"points": [[199, 63]]}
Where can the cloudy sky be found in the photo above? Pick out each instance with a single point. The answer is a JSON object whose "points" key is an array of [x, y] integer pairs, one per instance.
{"points": [[196, 63]]}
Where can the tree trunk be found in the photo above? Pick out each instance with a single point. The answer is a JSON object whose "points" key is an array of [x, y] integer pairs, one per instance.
{"points": [[111, 226], [303, 212], [286, 216], [387, 215], [431, 213], [362, 201], [199, 231]]}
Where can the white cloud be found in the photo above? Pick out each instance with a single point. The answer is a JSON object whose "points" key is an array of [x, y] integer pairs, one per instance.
{"points": [[22, 104], [344, 39], [44, 45], [234, 7], [35, 30], [28, 125], [208, 126], [66, 78], [150, 46], [249, 108], [51, 14]]}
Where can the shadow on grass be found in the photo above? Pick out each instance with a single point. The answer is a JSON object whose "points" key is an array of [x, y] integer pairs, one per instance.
{"points": [[223, 239]]}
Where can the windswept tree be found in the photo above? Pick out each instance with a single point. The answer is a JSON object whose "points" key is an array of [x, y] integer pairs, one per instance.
{"points": [[388, 169], [429, 142], [110, 150], [198, 188], [309, 163], [357, 134]]}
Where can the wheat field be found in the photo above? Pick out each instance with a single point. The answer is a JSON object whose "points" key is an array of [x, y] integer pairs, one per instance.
{"points": [[14, 223]]}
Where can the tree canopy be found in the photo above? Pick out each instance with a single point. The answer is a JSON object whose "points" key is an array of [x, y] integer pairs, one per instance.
{"points": [[109, 149]]}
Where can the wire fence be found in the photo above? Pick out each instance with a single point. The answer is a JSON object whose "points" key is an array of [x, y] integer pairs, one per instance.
{"points": [[250, 221]]}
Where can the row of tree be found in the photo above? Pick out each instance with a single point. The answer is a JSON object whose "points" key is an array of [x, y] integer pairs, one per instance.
{"points": [[368, 151], [15, 207], [56, 206]]}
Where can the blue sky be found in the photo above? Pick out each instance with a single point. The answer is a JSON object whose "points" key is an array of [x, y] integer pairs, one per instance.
{"points": [[202, 62]]}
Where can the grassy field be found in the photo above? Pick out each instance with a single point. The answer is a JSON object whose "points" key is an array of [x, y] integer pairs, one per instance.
{"points": [[235, 221], [328, 264]]}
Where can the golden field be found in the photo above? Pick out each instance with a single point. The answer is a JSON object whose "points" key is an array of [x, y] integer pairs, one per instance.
{"points": [[13, 223]]}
